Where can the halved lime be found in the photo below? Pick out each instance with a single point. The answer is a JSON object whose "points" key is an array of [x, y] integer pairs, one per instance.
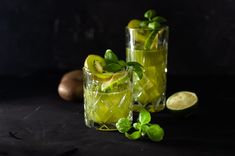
{"points": [[182, 103], [94, 63], [117, 78]]}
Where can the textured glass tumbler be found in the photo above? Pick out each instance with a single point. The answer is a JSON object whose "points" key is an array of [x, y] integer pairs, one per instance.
{"points": [[102, 109], [149, 48]]}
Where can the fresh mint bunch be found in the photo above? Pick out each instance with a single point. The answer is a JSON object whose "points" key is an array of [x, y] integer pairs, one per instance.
{"points": [[113, 64], [142, 128], [152, 21]]}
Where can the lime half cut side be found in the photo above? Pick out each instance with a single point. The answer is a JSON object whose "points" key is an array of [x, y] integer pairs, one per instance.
{"points": [[182, 103]]}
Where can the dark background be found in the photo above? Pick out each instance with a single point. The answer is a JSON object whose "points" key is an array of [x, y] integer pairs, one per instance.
{"points": [[40, 40], [52, 35]]}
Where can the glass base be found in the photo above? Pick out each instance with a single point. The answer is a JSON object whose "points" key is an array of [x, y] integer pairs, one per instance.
{"points": [[101, 126], [155, 106], [105, 126]]}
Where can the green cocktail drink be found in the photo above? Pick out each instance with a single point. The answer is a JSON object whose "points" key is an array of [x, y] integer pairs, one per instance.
{"points": [[148, 45], [107, 108], [107, 90], [103, 105]]}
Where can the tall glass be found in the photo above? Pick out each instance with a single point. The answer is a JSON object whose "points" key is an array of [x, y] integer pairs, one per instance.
{"points": [[106, 100], [149, 48]]}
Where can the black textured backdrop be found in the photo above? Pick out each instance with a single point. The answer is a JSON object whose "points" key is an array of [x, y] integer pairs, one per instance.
{"points": [[46, 35]]}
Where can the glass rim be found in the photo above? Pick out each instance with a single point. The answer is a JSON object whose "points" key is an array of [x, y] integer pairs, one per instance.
{"points": [[88, 71], [146, 29]]}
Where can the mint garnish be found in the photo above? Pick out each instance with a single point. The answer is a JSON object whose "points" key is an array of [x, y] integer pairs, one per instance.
{"points": [[113, 64], [152, 22], [141, 128]]}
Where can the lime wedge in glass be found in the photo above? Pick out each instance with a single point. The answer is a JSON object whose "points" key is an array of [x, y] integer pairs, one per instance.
{"points": [[105, 75], [150, 40], [139, 35], [182, 103], [134, 23], [117, 78]]}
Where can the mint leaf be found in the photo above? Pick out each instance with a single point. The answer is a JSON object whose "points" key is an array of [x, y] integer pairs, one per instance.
{"points": [[139, 71], [110, 56], [134, 64], [159, 19], [122, 63], [144, 129], [144, 24], [137, 68], [149, 14], [113, 67], [137, 126], [154, 25], [123, 125], [144, 117], [133, 136], [155, 133]]}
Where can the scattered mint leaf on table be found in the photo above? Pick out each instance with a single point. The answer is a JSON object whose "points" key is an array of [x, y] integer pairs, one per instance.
{"points": [[133, 136], [155, 132], [123, 125], [144, 117], [142, 127]]}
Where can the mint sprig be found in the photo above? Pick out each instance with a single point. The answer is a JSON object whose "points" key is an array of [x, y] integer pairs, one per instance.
{"points": [[154, 23], [142, 128], [113, 64]]}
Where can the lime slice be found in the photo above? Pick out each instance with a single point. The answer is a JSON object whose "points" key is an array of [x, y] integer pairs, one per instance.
{"points": [[105, 75], [135, 23], [117, 78], [150, 40], [182, 103], [94, 63], [138, 34]]}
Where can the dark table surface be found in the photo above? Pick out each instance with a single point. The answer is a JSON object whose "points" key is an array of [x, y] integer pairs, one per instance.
{"points": [[34, 120]]}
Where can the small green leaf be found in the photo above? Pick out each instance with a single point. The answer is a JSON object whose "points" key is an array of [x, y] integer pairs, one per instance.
{"points": [[154, 25], [150, 14], [159, 19], [122, 63], [155, 133], [133, 136], [144, 24], [137, 67], [110, 56], [112, 67], [123, 125], [139, 71], [144, 129], [144, 117], [137, 126], [134, 64]]}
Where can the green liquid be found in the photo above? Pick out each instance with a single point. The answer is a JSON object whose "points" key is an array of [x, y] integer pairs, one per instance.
{"points": [[149, 92], [103, 108]]}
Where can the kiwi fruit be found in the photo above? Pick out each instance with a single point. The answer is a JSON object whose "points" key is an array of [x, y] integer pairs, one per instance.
{"points": [[71, 86], [94, 63]]}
